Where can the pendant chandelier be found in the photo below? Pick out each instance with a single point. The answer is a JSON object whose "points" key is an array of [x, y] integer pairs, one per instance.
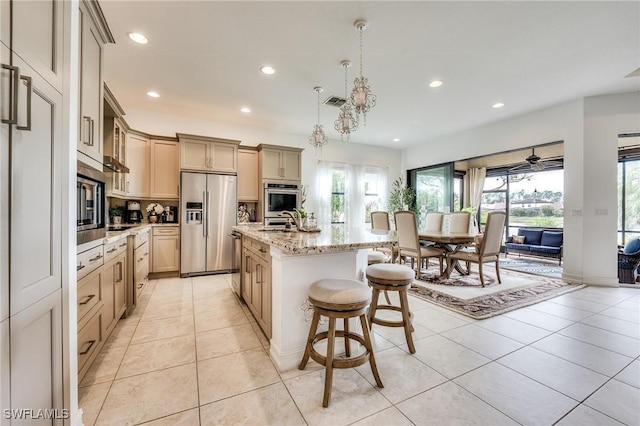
{"points": [[346, 122], [362, 100], [318, 139]]}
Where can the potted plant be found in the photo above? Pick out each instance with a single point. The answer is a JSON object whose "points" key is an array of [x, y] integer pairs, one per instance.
{"points": [[402, 197], [115, 213]]}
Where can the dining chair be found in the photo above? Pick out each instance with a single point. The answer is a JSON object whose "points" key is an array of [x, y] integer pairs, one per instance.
{"points": [[380, 220], [489, 249], [459, 222], [409, 243], [433, 221]]}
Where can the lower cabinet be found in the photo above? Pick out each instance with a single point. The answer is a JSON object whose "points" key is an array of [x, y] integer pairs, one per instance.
{"points": [[165, 249], [114, 288], [36, 356], [256, 284], [141, 271]]}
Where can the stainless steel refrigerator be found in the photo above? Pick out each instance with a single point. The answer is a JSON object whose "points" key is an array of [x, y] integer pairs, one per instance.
{"points": [[207, 212]]}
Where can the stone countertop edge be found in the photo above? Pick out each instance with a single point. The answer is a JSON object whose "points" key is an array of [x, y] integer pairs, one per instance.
{"points": [[113, 236], [331, 239]]}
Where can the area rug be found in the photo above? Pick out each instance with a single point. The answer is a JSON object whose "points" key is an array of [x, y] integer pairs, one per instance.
{"points": [[465, 295], [528, 266]]}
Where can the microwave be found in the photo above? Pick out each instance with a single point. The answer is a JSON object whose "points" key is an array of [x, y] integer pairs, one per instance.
{"points": [[90, 204], [279, 197]]}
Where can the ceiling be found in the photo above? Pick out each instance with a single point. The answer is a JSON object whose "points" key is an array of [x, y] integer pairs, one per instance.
{"points": [[204, 59]]}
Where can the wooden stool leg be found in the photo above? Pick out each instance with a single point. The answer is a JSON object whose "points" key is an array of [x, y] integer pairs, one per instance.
{"points": [[386, 296], [374, 305], [406, 318], [312, 334], [369, 347], [328, 375], [347, 345]]}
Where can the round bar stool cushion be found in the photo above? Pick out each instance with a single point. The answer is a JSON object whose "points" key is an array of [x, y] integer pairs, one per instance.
{"points": [[339, 292], [376, 257], [390, 272]]}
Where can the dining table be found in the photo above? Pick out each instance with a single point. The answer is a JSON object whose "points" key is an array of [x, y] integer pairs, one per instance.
{"points": [[448, 242]]}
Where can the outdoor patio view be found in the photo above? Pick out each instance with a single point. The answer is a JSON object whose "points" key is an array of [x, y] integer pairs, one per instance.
{"points": [[628, 201]]}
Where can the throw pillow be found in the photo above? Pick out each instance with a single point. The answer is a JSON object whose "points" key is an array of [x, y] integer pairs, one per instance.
{"points": [[477, 241], [518, 239], [632, 246]]}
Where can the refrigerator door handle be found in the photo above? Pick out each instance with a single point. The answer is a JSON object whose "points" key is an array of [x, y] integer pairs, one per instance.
{"points": [[204, 214], [207, 215]]}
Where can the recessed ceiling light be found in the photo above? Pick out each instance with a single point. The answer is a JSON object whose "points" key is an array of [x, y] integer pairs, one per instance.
{"points": [[396, 140], [435, 83], [267, 70], [153, 94], [498, 105], [245, 110], [138, 38]]}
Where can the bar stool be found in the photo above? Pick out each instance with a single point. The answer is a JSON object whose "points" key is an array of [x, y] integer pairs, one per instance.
{"points": [[391, 277], [374, 257], [339, 298]]}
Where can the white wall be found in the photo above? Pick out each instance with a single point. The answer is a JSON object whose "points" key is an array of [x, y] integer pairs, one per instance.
{"points": [[168, 125], [589, 128]]}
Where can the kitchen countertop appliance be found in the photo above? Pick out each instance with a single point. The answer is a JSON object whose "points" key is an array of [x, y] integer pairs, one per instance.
{"points": [[207, 213], [170, 214], [90, 196], [133, 213]]}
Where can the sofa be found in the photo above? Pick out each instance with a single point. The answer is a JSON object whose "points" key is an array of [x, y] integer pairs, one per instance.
{"points": [[536, 242]]}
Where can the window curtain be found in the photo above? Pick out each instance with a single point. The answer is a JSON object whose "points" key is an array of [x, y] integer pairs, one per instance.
{"points": [[476, 185], [323, 192]]}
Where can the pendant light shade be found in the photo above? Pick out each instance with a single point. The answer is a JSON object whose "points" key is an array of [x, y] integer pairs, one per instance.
{"points": [[362, 99], [347, 122], [318, 139]]}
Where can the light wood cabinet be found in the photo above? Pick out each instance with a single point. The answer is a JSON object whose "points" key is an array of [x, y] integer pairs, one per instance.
{"points": [[256, 281], [280, 163], [208, 154], [165, 249], [165, 169], [114, 285], [139, 163], [94, 33], [115, 137], [248, 180], [36, 355]]}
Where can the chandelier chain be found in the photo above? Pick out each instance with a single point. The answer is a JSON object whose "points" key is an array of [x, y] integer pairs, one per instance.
{"points": [[361, 48]]}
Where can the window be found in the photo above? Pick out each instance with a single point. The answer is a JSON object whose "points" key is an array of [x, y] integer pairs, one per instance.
{"points": [[338, 185], [628, 200], [348, 193], [434, 189]]}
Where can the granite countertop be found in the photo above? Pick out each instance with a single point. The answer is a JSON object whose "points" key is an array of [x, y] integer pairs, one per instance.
{"points": [[128, 229], [332, 238]]}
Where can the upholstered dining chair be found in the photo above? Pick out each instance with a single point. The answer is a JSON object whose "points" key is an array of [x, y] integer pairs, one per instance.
{"points": [[380, 220], [433, 221], [489, 249], [409, 244], [459, 222]]}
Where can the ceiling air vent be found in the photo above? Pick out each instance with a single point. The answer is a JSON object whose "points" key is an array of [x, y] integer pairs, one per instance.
{"points": [[335, 101]]}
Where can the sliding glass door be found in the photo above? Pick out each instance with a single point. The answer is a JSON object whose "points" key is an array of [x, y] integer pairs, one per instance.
{"points": [[434, 189]]}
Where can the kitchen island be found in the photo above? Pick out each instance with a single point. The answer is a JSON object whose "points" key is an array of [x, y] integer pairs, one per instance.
{"points": [[297, 259]]}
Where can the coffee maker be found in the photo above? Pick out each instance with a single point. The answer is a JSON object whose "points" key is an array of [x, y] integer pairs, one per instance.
{"points": [[133, 215], [171, 214]]}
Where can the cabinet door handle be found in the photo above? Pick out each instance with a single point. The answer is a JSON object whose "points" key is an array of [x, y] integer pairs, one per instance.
{"points": [[281, 171], [258, 278], [140, 286], [123, 244], [119, 272], [13, 94], [92, 131], [141, 259], [93, 259], [87, 299], [86, 351], [112, 250], [247, 264], [85, 130], [29, 84], [263, 250], [79, 267]]}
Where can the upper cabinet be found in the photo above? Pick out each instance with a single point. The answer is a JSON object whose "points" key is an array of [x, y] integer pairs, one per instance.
{"points": [[280, 163], [139, 163], [165, 172], [94, 33], [208, 154], [248, 181], [115, 145]]}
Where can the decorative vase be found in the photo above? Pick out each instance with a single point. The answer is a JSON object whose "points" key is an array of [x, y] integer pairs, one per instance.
{"points": [[153, 218]]}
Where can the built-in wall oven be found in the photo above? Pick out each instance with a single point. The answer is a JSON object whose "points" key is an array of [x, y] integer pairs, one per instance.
{"points": [[279, 197], [90, 204]]}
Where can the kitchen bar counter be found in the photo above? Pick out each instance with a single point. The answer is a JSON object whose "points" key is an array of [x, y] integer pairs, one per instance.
{"points": [[330, 239], [298, 259]]}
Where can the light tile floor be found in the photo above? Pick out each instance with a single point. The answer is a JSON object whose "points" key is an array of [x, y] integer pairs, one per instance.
{"points": [[192, 354]]}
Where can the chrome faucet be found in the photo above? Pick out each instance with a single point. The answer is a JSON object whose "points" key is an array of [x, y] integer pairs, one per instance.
{"points": [[293, 217]]}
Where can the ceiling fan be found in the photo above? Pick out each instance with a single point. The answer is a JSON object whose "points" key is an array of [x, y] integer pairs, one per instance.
{"points": [[535, 163]]}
